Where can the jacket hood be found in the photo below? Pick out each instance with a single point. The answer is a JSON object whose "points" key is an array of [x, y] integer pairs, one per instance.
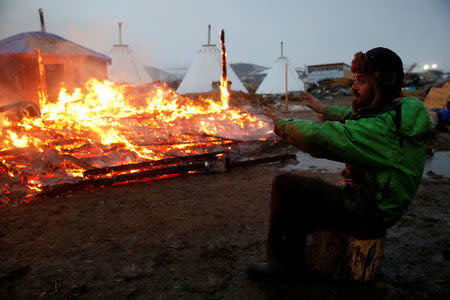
{"points": [[415, 120]]}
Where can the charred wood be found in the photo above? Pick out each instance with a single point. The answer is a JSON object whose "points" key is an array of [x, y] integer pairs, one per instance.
{"points": [[152, 164], [21, 109], [143, 88], [192, 167], [218, 140], [250, 162], [51, 159], [19, 151]]}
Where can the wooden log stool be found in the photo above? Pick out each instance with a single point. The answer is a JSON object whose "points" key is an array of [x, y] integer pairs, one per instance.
{"points": [[345, 257]]}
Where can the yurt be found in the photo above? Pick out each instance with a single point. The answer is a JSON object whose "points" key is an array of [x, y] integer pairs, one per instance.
{"points": [[64, 62], [206, 69]]}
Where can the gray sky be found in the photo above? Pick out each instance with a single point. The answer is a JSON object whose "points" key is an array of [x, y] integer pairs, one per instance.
{"points": [[169, 33]]}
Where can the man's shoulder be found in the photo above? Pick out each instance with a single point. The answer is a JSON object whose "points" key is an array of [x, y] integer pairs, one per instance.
{"points": [[412, 106], [403, 104], [415, 119], [411, 101]]}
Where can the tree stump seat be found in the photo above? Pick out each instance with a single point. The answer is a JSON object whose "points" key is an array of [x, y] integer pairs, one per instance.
{"points": [[344, 257]]}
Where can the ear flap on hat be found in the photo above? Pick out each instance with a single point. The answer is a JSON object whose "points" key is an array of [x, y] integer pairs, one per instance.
{"points": [[386, 78]]}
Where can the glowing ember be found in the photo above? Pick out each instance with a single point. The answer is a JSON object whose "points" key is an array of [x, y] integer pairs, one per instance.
{"points": [[105, 124]]}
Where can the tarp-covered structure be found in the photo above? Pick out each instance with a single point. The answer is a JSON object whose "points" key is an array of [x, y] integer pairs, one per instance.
{"points": [[438, 98], [206, 69], [64, 62], [275, 81]]}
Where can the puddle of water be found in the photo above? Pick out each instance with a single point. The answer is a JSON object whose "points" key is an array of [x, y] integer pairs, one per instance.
{"points": [[298, 107], [308, 163], [439, 164]]}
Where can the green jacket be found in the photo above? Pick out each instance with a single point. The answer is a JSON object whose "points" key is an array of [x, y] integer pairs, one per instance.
{"points": [[389, 148]]}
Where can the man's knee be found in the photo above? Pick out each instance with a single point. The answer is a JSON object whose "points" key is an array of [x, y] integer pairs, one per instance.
{"points": [[291, 190], [290, 181], [286, 180], [283, 190]]}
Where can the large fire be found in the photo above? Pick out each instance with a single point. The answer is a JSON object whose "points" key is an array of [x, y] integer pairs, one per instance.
{"points": [[106, 124]]}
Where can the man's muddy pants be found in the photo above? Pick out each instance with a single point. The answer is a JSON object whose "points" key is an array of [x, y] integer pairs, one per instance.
{"points": [[299, 204]]}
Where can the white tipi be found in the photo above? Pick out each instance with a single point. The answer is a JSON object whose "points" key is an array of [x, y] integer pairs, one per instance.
{"points": [[275, 80], [206, 69], [123, 67]]}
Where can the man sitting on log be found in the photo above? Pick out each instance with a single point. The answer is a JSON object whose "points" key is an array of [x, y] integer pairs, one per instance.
{"points": [[381, 139]]}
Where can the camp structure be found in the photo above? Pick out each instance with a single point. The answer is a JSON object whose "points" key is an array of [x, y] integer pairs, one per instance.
{"points": [[123, 67], [275, 81], [64, 62], [206, 69], [438, 98]]}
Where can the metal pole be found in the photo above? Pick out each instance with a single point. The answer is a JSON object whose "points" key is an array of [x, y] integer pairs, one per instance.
{"points": [[281, 49], [120, 33], [209, 34], [41, 16], [286, 76]]}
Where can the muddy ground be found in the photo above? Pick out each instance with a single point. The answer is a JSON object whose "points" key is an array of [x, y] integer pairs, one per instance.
{"points": [[192, 237]]}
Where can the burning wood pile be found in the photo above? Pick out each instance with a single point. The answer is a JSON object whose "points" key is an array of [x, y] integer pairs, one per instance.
{"points": [[106, 133]]}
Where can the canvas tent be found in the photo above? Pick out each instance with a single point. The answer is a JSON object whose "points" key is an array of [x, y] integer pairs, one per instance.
{"points": [[275, 80], [64, 62], [124, 68], [206, 68]]}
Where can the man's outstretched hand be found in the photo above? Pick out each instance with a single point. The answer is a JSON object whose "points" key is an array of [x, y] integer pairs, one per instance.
{"points": [[313, 103]]}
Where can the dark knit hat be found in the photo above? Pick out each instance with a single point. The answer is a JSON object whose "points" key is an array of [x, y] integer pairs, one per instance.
{"points": [[386, 66], [386, 69]]}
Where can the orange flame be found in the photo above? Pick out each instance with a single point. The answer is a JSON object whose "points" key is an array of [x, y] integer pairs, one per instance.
{"points": [[42, 86], [224, 93], [108, 124]]}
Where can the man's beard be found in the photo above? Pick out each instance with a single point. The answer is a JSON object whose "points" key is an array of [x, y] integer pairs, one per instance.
{"points": [[359, 103]]}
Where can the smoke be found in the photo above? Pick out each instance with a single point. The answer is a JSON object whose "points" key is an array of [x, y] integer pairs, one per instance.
{"points": [[101, 37], [92, 35]]}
